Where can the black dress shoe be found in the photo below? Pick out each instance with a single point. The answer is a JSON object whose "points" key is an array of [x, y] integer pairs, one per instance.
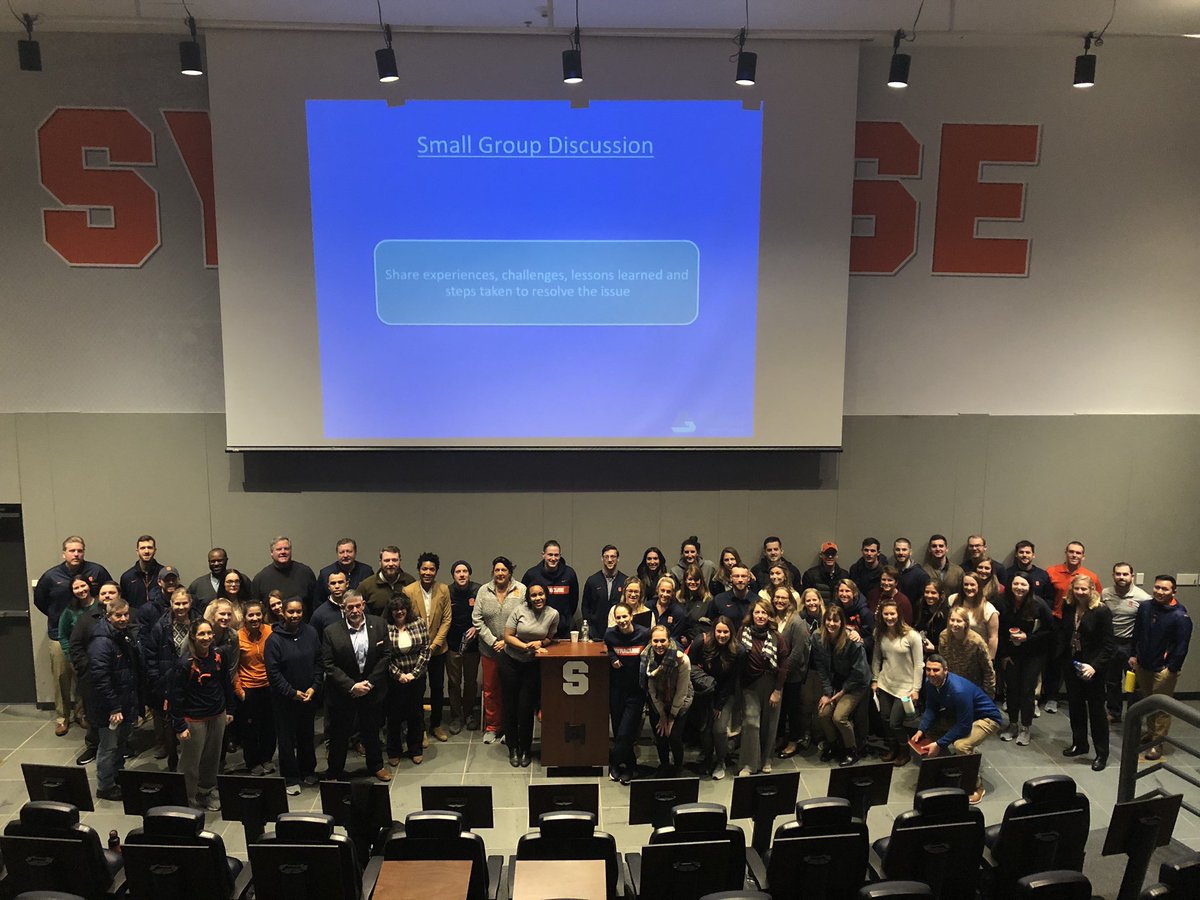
{"points": [[849, 759], [112, 793], [1099, 763], [514, 758], [1075, 750], [525, 760], [828, 753]]}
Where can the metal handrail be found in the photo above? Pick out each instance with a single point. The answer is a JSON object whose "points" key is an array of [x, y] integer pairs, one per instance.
{"points": [[1131, 747]]}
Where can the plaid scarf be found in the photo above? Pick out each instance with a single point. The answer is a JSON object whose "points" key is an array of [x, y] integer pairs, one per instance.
{"points": [[769, 648]]}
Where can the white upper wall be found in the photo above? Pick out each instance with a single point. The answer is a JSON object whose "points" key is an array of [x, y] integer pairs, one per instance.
{"points": [[1104, 322], [1107, 319]]}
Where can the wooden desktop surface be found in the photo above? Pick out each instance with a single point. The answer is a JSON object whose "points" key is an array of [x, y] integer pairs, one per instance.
{"points": [[423, 879], [565, 649], [557, 879]]}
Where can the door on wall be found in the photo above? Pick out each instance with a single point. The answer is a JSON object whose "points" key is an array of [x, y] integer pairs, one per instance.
{"points": [[16, 645]]}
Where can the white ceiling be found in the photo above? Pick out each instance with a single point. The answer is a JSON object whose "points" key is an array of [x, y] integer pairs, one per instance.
{"points": [[941, 20]]}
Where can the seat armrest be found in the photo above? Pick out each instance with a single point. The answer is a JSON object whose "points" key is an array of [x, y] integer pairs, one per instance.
{"points": [[512, 874], [495, 870], [757, 869], [371, 876], [633, 862], [242, 884], [876, 858], [117, 888], [623, 879]]}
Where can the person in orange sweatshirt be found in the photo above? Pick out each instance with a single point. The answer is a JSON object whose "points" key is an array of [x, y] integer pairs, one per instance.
{"points": [[256, 722]]}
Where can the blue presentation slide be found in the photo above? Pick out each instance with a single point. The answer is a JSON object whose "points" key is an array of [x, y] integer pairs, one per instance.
{"points": [[517, 270]]}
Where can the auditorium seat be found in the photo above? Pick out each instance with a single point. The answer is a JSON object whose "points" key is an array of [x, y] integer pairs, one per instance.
{"points": [[46, 895], [939, 841], [303, 846], [149, 849], [47, 849], [737, 895], [1046, 830], [440, 834], [1176, 878], [1060, 884], [896, 890], [572, 835], [698, 823], [825, 849]]}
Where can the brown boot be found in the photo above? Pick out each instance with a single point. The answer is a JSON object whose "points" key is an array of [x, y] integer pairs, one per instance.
{"points": [[892, 752]]}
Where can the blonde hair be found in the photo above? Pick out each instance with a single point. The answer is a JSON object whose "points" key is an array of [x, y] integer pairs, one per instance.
{"points": [[1093, 599], [210, 613]]}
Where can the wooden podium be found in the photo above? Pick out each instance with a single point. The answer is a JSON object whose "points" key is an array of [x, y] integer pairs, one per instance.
{"points": [[575, 704]]}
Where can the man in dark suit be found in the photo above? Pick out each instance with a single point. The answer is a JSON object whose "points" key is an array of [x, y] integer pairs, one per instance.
{"points": [[355, 653], [602, 591]]}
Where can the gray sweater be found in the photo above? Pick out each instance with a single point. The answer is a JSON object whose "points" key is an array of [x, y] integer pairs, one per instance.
{"points": [[489, 616]]}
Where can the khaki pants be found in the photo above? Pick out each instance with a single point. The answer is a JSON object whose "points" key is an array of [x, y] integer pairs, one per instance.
{"points": [[837, 720], [1161, 682], [981, 730], [64, 681]]}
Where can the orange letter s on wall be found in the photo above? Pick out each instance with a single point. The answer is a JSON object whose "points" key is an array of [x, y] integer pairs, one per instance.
{"points": [[887, 203], [64, 140]]}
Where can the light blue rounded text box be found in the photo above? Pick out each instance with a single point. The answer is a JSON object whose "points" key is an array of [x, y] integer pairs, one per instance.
{"points": [[537, 282]]}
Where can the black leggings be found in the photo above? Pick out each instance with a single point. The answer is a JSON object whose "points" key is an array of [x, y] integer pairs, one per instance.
{"points": [[405, 712], [521, 683], [625, 709], [670, 749], [256, 725], [1020, 685], [790, 721]]}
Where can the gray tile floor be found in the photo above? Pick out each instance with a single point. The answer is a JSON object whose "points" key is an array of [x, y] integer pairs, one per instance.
{"points": [[28, 736]]}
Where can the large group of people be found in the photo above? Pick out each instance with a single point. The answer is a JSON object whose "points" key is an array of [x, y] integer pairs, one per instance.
{"points": [[747, 663]]}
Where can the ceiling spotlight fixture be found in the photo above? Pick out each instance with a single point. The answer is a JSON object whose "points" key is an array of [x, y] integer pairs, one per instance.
{"points": [[572, 60], [385, 57], [901, 62], [28, 51], [898, 71], [747, 62], [1085, 63], [190, 62]]}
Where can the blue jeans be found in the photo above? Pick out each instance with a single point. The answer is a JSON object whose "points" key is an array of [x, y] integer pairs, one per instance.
{"points": [[109, 758]]}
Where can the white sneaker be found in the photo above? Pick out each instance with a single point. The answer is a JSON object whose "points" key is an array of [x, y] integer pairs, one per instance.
{"points": [[1023, 738], [1051, 707], [1037, 711], [766, 769], [1010, 733], [293, 790], [719, 773], [489, 737], [745, 771]]}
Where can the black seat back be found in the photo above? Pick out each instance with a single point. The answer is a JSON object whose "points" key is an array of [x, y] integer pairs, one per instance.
{"points": [[939, 842], [174, 856], [303, 849], [439, 834], [825, 850], [48, 849], [705, 822], [1045, 830], [572, 835]]}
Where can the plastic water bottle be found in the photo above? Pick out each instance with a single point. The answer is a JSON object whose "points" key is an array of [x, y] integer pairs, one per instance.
{"points": [[584, 631], [909, 709]]}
